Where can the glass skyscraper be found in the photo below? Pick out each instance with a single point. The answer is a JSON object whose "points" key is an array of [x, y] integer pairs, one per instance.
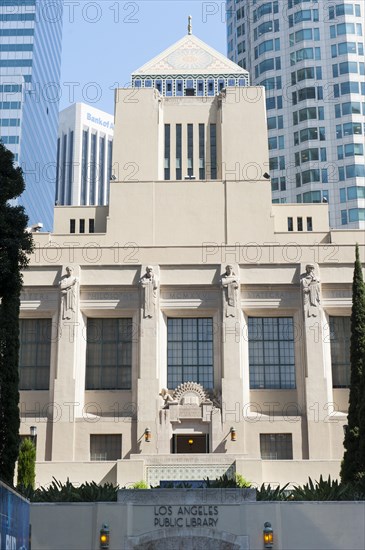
{"points": [[309, 56], [30, 64]]}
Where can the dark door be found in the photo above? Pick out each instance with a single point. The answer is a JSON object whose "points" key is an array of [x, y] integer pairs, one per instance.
{"points": [[190, 443]]}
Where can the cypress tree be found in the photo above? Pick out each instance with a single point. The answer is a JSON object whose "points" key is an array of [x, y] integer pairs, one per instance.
{"points": [[352, 463], [361, 354], [26, 464], [15, 243]]}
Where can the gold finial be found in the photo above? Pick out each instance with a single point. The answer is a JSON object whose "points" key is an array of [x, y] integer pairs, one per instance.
{"points": [[190, 25]]}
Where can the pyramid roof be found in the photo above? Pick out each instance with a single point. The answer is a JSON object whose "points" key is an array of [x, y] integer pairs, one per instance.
{"points": [[192, 56]]}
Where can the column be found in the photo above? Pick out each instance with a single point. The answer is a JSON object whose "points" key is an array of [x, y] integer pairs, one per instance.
{"points": [[316, 383]]}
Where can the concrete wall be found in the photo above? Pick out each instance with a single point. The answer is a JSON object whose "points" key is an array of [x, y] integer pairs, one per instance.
{"points": [[135, 522]]}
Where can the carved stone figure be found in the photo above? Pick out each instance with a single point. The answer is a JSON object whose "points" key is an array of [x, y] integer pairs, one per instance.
{"points": [[149, 284], [230, 284], [311, 291], [166, 397], [68, 286]]}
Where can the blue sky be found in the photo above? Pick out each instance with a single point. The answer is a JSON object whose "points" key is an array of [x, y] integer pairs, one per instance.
{"points": [[104, 41]]}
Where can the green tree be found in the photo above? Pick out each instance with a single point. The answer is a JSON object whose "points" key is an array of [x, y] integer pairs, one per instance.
{"points": [[26, 464], [352, 463], [15, 243]]}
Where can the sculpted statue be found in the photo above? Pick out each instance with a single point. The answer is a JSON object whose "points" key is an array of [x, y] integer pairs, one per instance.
{"points": [[230, 284], [166, 397], [149, 284], [68, 286], [311, 291]]}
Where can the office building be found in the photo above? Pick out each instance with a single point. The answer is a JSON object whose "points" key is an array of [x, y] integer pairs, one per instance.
{"points": [[309, 56], [190, 328], [84, 156], [30, 62]]}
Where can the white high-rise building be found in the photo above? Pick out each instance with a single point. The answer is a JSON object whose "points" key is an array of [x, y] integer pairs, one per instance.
{"points": [[84, 156], [309, 56]]}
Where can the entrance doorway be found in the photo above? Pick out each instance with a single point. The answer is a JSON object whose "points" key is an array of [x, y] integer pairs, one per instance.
{"points": [[190, 443]]}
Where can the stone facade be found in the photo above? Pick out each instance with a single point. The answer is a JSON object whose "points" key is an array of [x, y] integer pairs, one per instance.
{"points": [[188, 281]]}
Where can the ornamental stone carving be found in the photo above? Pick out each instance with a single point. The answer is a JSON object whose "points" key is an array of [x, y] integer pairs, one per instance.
{"points": [[310, 284], [150, 287], [230, 285], [190, 393], [69, 294], [167, 397]]}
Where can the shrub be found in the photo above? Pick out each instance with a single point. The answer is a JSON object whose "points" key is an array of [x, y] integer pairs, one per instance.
{"points": [[26, 465]]}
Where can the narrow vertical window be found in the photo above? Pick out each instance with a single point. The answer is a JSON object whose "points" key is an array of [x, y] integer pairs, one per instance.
{"points": [[167, 152], [92, 197], [101, 170], [63, 173], [290, 224], [58, 171], [300, 224], [309, 224], [178, 152], [190, 150], [201, 152], [72, 226], [340, 334], [82, 226], [110, 166], [213, 151], [91, 225], [84, 175], [70, 168]]}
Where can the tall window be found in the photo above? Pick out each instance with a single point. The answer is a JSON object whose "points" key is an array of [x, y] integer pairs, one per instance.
{"points": [[340, 334], [213, 151], [110, 166], [105, 447], [70, 168], [109, 354], [178, 152], [201, 152], [101, 170], [167, 152], [190, 351], [276, 446], [84, 166], [93, 169], [190, 150], [35, 354], [64, 168], [57, 169], [271, 352]]}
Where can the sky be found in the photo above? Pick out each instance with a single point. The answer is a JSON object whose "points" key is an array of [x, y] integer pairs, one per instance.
{"points": [[104, 41]]}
